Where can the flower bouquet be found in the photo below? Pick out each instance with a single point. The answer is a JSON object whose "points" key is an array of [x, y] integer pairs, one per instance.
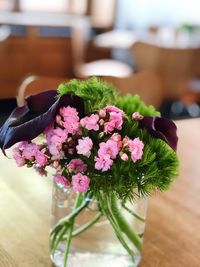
{"points": [[107, 153]]}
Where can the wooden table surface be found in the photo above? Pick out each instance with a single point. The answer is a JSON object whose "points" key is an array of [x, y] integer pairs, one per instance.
{"points": [[172, 236]]}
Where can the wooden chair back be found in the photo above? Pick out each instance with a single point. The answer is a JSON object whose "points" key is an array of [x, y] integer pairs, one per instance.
{"points": [[173, 65], [146, 84], [35, 84]]}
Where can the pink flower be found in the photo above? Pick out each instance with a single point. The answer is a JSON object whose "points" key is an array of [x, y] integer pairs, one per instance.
{"points": [[60, 134], [110, 108], [30, 150], [55, 139], [109, 127], [61, 180], [109, 148], [136, 148], [76, 165], [137, 116], [41, 158], [80, 182], [22, 145], [18, 157], [90, 122], [103, 163], [118, 139], [71, 119], [84, 146], [49, 129], [116, 119], [72, 126], [68, 112]]}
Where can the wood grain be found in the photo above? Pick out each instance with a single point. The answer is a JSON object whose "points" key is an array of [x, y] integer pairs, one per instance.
{"points": [[172, 236]]}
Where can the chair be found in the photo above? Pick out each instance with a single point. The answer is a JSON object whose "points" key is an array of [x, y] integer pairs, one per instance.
{"points": [[175, 66], [103, 67], [146, 84], [35, 84]]}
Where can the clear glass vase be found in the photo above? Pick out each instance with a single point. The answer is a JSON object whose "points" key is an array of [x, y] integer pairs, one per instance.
{"points": [[100, 243]]}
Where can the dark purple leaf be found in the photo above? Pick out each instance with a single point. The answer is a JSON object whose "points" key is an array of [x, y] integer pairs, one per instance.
{"points": [[27, 122], [161, 128]]}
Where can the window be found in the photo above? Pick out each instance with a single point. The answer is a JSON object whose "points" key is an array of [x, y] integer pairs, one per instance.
{"points": [[135, 14]]}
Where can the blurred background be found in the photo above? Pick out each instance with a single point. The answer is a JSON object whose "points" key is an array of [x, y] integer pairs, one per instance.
{"points": [[148, 47]]}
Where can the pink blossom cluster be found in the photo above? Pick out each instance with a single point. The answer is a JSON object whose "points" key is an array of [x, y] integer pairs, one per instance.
{"points": [[29, 152], [135, 147], [112, 118], [80, 182], [69, 120], [137, 116], [77, 147], [109, 150], [90, 122]]}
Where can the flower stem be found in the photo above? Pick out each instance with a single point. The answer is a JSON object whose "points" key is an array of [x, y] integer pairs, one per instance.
{"points": [[86, 226], [140, 218], [117, 230], [66, 220], [70, 229], [123, 224]]}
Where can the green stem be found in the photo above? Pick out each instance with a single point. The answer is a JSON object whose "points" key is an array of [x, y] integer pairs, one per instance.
{"points": [[123, 224], [73, 214], [112, 221], [70, 229], [87, 225], [133, 213], [56, 239]]}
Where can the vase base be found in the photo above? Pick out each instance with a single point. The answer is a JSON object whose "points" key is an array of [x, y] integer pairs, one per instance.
{"points": [[96, 260]]}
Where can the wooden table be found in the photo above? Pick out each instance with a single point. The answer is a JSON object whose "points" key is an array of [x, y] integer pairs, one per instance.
{"points": [[172, 237]]}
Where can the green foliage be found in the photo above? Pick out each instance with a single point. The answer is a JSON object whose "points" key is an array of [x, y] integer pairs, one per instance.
{"points": [[131, 103], [154, 172], [95, 93], [159, 164]]}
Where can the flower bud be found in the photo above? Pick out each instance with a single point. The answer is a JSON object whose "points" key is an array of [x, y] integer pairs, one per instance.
{"points": [[102, 113], [101, 135], [116, 137], [71, 151], [101, 122], [56, 164], [70, 141], [124, 157], [137, 116]]}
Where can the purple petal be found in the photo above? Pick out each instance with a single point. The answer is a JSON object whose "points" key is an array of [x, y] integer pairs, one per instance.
{"points": [[161, 128], [27, 122], [47, 99]]}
